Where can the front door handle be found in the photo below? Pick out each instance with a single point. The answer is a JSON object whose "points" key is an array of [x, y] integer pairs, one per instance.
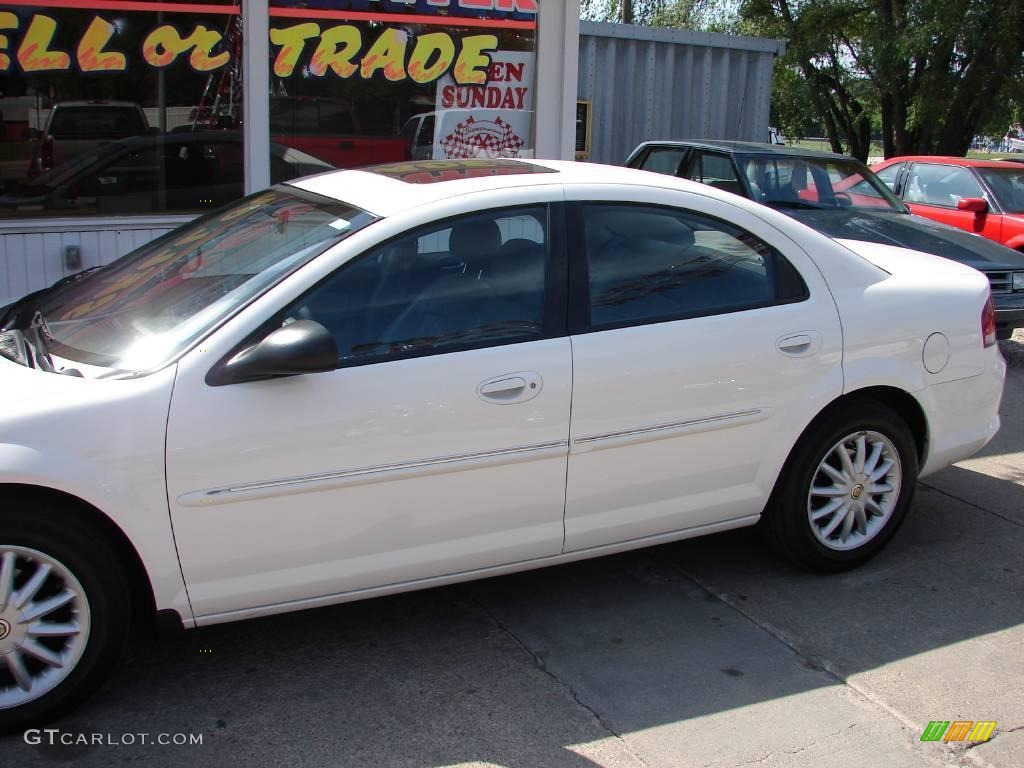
{"points": [[510, 388]]}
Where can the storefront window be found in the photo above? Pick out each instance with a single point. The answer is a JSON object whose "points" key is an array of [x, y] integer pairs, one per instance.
{"points": [[107, 109], [357, 83]]}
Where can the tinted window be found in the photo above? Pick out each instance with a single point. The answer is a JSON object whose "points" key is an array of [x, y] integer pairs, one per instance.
{"points": [[477, 281], [648, 264], [941, 185], [99, 122], [715, 170], [663, 160]]}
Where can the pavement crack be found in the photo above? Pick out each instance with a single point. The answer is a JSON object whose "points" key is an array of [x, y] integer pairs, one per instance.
{"points": [[972, 504], [541, 665], [798, 750]]}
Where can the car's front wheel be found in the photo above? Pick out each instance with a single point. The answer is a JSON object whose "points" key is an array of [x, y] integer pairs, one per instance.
{"points": [[845, 489], [64, 615]]}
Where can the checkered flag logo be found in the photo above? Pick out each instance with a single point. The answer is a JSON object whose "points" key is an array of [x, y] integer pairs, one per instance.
{"points": [[481, 138]]}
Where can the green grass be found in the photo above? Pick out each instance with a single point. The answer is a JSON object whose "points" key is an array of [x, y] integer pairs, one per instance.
{"points": [[822, 145]]}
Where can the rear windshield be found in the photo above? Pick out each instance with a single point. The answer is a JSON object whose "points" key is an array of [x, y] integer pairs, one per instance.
{"points": [[96, 122]]}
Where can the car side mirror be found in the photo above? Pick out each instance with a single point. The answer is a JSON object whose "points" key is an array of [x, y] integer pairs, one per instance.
{"points": [[301, 347], [972, 204]]}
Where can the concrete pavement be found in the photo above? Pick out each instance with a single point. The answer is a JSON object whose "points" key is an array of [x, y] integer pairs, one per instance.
{"points": [[709, 652]]}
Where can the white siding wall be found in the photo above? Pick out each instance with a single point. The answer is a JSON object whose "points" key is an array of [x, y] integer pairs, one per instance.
{"points": [[32, 260]]}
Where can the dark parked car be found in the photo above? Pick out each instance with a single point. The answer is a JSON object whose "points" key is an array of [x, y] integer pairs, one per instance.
{"points": [[839, 197], [174, 172]]}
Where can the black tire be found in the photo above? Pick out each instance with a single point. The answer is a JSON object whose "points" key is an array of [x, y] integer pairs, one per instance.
{"points": [[786, 520], [86, 555]]}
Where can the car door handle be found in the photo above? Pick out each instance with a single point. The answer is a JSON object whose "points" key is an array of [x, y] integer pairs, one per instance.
{"points": [[799, 344], [510, 388]]}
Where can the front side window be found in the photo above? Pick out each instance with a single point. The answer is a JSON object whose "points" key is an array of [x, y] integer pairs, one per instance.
{"points": [[1007, 184], [940, 185], [471, 282], [143, 310], [649, 264]]}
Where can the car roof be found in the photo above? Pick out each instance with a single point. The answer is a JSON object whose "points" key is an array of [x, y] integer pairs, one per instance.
{"points": [[385, 190], [967, 162], [748, 148]]}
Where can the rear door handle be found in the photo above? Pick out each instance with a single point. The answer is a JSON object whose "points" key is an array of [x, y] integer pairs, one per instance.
{"points": [[510, 388], [800, 344]]}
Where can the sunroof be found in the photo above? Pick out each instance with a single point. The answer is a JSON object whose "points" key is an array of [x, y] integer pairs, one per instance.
{"points": [[434, 171]]}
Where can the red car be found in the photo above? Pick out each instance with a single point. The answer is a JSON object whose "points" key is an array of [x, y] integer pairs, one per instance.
{"points": [[982, 196]]}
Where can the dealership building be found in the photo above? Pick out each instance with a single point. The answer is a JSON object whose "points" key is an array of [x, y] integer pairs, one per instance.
{"points": [[122, 119]]}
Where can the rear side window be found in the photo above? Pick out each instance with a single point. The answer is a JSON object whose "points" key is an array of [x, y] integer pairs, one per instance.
{"points": [[889, 174], [650, 264], [715, 170], [663, 161]]}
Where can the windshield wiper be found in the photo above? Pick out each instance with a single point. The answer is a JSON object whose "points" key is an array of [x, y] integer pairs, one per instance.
{"points": [[21, 313]]}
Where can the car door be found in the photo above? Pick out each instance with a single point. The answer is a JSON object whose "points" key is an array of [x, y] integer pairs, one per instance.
{"points": [[437, 446], [932, 190], [703, 341]]}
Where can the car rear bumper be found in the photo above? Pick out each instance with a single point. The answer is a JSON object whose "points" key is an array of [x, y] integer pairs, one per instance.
{"points": [[962, 415]]}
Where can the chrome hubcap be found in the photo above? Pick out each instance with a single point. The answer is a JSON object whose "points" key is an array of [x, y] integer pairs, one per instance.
{"points": [[854, 490], [44, 624]]}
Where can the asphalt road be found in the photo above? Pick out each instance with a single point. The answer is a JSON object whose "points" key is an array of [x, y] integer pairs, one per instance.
{"points": [[709, 652]]}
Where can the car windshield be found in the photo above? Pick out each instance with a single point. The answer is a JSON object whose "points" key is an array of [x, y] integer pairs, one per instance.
{"points": [[811, 182], [142, 311], [1007, 184]]}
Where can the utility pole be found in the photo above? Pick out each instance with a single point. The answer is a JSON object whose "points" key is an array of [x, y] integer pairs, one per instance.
{"points": [[627, 11]]}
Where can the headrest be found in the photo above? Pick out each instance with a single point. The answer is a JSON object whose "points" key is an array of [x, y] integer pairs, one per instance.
{"points": [[474, 237]]}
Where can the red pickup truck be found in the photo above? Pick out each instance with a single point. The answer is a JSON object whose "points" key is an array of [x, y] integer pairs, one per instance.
{"points": [[77, 127], [328, 129]]}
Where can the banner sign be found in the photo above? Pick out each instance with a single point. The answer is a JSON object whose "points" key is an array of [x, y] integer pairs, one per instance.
{"points": [[343, 50], [492, 119]]}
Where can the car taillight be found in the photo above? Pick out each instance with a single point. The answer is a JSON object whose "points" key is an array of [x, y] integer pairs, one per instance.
{"points": [[46, 153], [988, 324]]}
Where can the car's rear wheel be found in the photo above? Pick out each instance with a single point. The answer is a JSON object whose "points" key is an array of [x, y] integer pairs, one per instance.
{"points": [[64, 615], [845, 489]]}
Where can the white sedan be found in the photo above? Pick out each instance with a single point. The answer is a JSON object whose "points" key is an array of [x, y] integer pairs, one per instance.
{"points": [[372, 381]]}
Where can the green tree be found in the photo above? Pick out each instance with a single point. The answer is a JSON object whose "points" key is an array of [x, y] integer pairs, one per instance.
{"points": [[934, 72]]}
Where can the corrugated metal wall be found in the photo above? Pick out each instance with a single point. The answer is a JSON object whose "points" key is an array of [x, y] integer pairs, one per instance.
{"points": [[32, 260], [648, 84]]}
